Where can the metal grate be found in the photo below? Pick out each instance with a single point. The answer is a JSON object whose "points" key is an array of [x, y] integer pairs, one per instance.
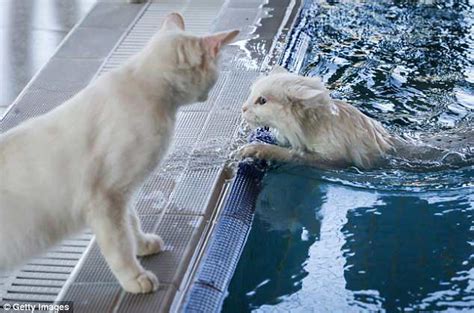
{"points": [[41, 280]]}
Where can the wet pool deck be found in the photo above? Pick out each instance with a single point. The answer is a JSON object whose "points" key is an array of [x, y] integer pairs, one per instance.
{"points": [[30, 32], [180, 199]]}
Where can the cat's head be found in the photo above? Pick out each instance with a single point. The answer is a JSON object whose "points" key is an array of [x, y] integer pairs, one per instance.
{"points": [[281, 99], [189, 62]]}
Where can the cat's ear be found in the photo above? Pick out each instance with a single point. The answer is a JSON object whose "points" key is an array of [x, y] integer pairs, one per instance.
{"points": [[278, 69], [308, 95], [173, 21], [213, 43]]}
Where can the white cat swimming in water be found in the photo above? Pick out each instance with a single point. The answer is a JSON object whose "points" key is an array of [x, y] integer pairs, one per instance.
{"points": [[79, 164], [312, 128]]}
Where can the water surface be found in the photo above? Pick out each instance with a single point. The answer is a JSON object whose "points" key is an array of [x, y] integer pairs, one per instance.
{"points": [[317, 246], [408, 65], [381, 240]]}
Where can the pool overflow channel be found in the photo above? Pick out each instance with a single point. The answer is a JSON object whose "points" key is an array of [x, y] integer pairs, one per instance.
{"points": [[186, 201]]}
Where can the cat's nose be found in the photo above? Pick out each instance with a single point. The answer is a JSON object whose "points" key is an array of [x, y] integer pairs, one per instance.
{"points": [[244, 109]]}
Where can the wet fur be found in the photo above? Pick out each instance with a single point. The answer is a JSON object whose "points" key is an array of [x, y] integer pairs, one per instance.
{"points": [[314, 129]]}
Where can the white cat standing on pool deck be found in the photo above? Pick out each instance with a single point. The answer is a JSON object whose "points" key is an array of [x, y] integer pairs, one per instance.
{"points": [[322, 131], [80, 164]]}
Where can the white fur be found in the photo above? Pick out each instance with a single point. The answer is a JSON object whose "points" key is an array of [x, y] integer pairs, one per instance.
{"points": [[320, 130], [80, 164], [127, 1]]}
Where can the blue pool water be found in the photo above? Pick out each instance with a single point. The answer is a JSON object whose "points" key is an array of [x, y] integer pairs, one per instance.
{"points": [[317, 246], [381, 240]]}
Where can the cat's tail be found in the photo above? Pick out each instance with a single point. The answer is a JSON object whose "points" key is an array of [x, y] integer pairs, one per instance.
{"points": [[22, 236], [15, 246], [10, 255]]}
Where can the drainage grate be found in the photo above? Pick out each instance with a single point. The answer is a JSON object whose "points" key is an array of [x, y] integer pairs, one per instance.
{"points": [[41, 280]]}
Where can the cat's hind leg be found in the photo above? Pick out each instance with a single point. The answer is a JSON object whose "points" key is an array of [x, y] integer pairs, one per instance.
{"points": [[147, 243], [110, 222]]}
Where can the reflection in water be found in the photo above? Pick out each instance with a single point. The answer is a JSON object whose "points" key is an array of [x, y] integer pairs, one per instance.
{"points": [[321, 247], [277, 248], [409, 249]]}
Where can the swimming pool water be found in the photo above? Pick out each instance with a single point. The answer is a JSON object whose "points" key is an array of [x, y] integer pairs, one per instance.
{"points": [[323, 247], [391, 240], [408, 65]]}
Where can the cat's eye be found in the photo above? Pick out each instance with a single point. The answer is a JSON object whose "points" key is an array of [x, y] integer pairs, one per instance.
{"points": [[261, 100]]}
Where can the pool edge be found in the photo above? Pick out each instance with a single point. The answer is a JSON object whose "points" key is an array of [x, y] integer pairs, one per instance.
{"points": [[208, 290]]}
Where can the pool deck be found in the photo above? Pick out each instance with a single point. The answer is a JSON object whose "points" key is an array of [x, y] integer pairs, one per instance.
{"points": [[30, 32], [181, 199]]}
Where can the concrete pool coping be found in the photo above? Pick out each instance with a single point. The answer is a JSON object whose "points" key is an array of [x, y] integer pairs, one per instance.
{"points": [[181, 198]]}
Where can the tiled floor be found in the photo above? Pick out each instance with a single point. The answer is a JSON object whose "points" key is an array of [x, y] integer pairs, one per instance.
{"points": [[30, 32], [179, 198]]}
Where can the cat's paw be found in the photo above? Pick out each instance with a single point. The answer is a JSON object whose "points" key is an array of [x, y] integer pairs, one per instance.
{"points": [[255, 151], [150, 244], [144, 283]]}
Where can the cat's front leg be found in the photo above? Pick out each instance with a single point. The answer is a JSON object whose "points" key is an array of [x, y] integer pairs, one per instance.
{"points": [[128, 1], [147, 243], [265, 152], [281, 154], [110, 222]]}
